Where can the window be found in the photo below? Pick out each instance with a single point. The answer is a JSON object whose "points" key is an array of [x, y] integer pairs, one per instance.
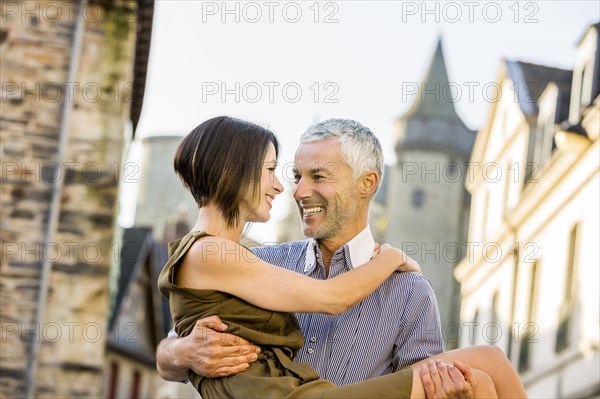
{"points": [[585, 90], [568, 304], [418, 198], [452, 169], [529, 327], [545, 144], [497, 330], [135, 385], [474, 338], [113, 380], [474, 330], [484, 214], [507, 187]]}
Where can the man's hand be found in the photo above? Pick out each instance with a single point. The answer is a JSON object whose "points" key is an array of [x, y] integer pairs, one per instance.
{"points": [[207, 351], [442, 380]]}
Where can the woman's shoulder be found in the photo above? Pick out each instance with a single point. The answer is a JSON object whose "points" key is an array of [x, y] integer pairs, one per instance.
{"points": [[208, 249]]}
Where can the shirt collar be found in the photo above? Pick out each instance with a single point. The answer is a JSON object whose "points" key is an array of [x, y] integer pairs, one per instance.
{"points": [[360, 249]]}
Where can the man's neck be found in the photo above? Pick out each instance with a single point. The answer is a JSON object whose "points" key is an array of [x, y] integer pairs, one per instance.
{"points": [[329, 246], [327, 250]]}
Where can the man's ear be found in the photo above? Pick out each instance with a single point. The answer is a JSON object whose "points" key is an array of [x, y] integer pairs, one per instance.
{"points": [[368, 183]]}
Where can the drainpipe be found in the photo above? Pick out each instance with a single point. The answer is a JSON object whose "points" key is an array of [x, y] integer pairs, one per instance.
{"points": [[55, 204]]}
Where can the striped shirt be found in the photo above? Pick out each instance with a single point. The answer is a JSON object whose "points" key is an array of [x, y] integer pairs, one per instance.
{"points": [[395, 326]]}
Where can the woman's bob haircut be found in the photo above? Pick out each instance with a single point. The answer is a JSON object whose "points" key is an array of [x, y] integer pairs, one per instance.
{"points": [[220, 160]]}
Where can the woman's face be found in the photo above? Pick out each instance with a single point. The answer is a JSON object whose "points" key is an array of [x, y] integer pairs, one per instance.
{"points": [[259, 210]]}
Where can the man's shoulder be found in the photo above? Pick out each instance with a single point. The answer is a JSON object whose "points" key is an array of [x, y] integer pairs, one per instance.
{"points": [[278, 248], [411, 280], [287, 254]]}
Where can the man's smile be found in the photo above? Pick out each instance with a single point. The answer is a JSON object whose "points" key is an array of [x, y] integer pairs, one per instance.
{"points": [[312, 210]]}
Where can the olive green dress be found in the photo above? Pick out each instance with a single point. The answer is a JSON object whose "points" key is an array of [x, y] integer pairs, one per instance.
{"points": [[273, 375]]}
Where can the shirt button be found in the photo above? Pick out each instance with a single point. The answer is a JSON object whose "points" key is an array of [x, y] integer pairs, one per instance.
{"points": [[311, 350], [313, 339]]}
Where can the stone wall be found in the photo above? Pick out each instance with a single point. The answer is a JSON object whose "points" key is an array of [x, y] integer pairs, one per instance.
{"points": [[36, 51]]}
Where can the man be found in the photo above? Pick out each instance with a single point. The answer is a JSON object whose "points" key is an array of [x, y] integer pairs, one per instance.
{"points": [[338, 169]]}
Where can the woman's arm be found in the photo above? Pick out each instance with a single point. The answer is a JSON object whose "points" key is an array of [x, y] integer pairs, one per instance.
{"points": [[216, 263]]}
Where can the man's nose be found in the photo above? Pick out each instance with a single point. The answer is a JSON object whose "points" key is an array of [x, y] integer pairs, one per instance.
{"points": [[302, 189]]}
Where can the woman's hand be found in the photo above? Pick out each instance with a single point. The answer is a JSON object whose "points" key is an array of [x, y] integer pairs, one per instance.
{"points": [[409, 264], [405, 263]]}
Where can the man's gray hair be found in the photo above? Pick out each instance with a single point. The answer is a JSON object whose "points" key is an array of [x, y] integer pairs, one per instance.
{"points": [[360, 148]]}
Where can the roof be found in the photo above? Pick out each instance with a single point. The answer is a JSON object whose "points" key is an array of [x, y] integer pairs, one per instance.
{"points": [[530, 80], [145, 14], [595, 26], [135, 241], [432, 98], [144, 18], [432, 124], [141, 261]]}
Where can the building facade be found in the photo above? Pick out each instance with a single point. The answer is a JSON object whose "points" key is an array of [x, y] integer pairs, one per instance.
{"points": [[530, 283], [73, 76]]}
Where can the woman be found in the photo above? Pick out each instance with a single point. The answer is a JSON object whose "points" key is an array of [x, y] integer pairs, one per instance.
{"points": [[228, 165]]}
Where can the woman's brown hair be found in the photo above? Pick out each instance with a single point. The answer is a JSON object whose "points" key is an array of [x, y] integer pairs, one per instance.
{"points": [[220, 160]]}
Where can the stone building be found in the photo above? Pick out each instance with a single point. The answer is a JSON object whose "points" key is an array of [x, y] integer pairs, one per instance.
{"points": [[73, 77], [531, 285], [426, 207]]}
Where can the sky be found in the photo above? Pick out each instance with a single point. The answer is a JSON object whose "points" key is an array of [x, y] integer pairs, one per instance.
{"points": [[287, 65]]}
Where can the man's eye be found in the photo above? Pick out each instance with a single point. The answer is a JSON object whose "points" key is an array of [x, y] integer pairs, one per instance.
{"points": [[319, 177], [296, 179]]}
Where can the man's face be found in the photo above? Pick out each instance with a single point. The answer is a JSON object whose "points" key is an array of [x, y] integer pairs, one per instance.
{"points": [[324, 189]]}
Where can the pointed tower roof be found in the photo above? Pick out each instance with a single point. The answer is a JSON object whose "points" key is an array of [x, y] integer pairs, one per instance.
{"points": [[434, 97], [432, 124]]}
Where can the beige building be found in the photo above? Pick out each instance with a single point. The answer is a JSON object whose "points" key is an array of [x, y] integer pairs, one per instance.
{"points": [[530, 283], [73, 77]]}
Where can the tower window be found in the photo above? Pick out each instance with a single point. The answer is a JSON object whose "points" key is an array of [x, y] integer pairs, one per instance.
{"points": [[452, 169], [418, 198]]}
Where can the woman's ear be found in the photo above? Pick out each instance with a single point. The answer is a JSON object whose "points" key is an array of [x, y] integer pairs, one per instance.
{"points": [[368, 183]]}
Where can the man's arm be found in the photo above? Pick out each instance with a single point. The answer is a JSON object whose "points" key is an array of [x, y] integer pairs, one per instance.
{"points": [[167, 360], [207, 351], [419, 336]]}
